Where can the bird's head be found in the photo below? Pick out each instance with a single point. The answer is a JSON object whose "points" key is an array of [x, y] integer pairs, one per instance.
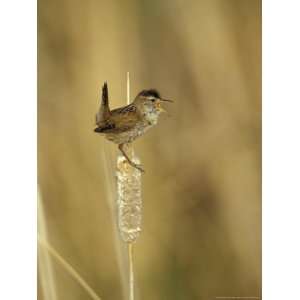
{"points": [[149, 104]]}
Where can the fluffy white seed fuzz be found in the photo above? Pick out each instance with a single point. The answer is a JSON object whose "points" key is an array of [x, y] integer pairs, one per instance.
{"points": [[129, 199]]}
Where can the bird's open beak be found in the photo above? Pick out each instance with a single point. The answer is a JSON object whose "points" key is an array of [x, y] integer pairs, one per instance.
{"points": [[160, 108]]}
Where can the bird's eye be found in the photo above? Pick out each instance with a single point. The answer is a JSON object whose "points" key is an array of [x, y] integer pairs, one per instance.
{"points": [[153, 100]]}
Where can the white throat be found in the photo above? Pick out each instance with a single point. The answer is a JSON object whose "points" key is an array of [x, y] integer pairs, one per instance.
{"points": [[152, 117]]}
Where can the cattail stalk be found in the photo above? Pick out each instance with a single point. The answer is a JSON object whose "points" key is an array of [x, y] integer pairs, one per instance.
{"points": [[131, 273], [129, 187], [129, 202]]}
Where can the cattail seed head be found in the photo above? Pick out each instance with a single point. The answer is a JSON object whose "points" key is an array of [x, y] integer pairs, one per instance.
{"points": [[129, 199]]}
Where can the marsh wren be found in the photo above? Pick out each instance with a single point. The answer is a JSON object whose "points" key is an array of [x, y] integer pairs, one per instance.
{"points": [[123, 125]]}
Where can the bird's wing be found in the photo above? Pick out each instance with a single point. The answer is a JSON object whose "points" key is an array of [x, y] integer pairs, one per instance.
{"points": [[121, 120], [105, 128]]}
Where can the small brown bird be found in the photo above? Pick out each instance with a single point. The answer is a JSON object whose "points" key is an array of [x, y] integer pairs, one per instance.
{"points": [[123, 125]]}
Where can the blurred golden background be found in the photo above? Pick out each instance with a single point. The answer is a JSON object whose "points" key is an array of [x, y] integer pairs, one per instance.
{"points": [[201, 235]]}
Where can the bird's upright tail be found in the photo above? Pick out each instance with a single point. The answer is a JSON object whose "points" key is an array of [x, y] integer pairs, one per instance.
{"points": [[104, 111]]}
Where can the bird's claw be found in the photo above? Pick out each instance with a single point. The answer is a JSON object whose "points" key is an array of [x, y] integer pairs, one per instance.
{"points": [[139, 167]]}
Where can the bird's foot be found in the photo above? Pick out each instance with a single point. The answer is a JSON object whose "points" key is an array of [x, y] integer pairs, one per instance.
{"points": [[137, 166], [129, 161]]}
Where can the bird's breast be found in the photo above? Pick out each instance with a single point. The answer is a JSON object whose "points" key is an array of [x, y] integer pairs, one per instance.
{"points": [[151, 118]]}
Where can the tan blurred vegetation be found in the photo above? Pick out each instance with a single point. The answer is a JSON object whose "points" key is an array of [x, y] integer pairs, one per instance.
{"points": [[202, 188]]}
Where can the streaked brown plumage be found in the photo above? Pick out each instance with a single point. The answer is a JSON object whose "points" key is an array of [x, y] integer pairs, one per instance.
{"points": [[123, 125]]}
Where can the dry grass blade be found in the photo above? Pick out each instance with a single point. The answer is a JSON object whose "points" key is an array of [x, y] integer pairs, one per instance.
{"points": [[44, 262], [69, 269]]}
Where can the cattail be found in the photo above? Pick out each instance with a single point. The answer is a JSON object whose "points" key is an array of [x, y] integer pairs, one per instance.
{"points": [[129, 199], [129, 202], [129, 187]]}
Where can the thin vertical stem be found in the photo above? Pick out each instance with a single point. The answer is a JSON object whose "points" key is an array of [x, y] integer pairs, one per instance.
{"points": [[130, 245], [131, 273], [128, 88]]}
